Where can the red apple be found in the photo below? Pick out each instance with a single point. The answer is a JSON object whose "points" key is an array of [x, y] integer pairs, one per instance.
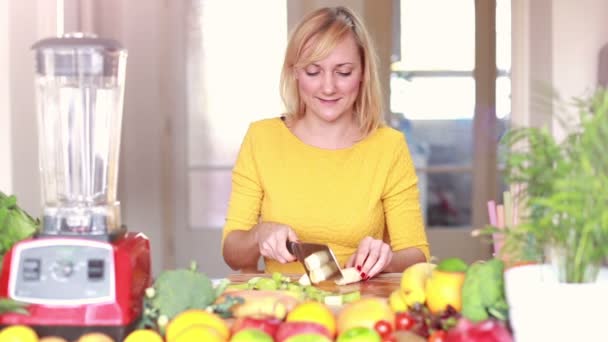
{"points": [[485, 331], [291, 329], [269, 325]]}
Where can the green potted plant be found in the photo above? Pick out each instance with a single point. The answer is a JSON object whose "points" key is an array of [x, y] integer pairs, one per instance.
{"points": [[563, 192], [562, 224]]}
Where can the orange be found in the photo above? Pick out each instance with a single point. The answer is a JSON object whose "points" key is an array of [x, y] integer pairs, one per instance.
{"points": [[365, 312], [196, 317], [199, 333], [144, 335], [18, 333], [443, 289], [315, 312]]}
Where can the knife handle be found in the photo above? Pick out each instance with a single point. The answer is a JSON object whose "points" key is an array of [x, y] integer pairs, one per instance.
{"points": [[291, 246]]}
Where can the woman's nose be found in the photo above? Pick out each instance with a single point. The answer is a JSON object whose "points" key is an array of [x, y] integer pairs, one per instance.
{"points": [[329, 85]]}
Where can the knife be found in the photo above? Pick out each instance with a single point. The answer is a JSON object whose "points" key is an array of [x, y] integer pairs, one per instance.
{"points": [[319, 260]]}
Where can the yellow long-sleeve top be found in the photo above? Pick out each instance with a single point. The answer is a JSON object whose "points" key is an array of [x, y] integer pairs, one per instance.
{"points": [[336, 197]]}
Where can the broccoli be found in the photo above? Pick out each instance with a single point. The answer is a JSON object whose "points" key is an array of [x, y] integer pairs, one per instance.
{"points": [[483, 293], [175, 291]]}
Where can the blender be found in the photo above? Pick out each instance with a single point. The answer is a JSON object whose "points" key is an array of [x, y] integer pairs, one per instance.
{"points": [[83, 271]]}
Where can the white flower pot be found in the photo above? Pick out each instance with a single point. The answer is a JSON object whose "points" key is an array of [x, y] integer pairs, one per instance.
{"points": [[543, 309]]}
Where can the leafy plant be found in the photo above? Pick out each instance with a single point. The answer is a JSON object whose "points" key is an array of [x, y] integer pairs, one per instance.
{"points": [[15, 223], [564, 190]]}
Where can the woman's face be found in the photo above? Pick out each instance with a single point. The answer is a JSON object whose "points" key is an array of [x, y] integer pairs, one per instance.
{"points": [[330, 86]]}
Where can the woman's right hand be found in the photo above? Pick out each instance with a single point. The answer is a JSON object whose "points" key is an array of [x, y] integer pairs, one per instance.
{"points": [[272, 241]]}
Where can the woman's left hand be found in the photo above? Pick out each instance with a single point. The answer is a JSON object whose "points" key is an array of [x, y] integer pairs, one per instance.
{"points": [[371, 258]]}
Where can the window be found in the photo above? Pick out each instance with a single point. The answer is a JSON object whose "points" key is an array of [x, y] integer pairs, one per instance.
{"points": [[232, 81], [433, 99]]}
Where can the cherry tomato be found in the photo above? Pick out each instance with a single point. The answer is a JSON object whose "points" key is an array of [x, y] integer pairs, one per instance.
{"points": [[383, 328], [404, 321], [438, 336]]}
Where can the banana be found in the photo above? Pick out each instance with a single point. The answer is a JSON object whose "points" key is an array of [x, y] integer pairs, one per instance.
{"points": [[413, 282], [304, 280], [349, 275], [317, 275], [316, 260], [263, 303]]}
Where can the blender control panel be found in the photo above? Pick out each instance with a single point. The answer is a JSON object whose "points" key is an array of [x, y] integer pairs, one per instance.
{"points": [[64, 271]]}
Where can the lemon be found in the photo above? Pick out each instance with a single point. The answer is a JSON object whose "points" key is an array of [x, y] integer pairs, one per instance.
{"points": [[199, 333], [443, 289], [95, 337], [144, 335], [196, 317], [315, 312], [18, 333]]}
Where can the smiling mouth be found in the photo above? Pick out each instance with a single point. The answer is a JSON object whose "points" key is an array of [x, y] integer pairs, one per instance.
{"points": [[328, 100]]}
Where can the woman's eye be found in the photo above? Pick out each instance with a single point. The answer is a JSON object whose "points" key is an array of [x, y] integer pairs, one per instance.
{"points": [[312, 73], [345, 74]]}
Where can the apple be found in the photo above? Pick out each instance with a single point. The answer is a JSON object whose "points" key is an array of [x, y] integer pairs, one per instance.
{"points": [[359, 334], [485, 331], [292, 329], [269, 324], [251, 335]]}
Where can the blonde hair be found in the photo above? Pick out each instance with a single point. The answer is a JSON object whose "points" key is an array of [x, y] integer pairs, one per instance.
{"points": [[322, 30]]}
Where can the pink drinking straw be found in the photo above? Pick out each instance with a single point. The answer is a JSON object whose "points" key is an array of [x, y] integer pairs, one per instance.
{"points": [[497, 238], [492, 212]]}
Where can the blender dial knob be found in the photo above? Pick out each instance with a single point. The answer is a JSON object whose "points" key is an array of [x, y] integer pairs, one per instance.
{"points": [[63, 268]]}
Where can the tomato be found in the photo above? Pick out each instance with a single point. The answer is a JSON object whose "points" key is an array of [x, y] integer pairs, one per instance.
{"points": [[404, 321], [383, 328], [438, 336]]}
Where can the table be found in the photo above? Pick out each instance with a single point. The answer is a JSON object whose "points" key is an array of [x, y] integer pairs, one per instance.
{"points": [[378, 286]]}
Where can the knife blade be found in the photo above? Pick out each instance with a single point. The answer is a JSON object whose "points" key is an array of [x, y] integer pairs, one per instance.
{"points": [[319, 260]]}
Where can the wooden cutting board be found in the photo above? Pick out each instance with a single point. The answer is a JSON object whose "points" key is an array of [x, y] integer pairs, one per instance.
{"points": [[379, 286]]}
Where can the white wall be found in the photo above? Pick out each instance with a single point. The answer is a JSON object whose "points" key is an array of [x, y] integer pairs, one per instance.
{"points": [[25, 22], [6, 163], [579, 32], [556, 44]]}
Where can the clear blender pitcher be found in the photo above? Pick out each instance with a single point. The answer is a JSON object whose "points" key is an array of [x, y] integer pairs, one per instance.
{"points": [[79, 87]]}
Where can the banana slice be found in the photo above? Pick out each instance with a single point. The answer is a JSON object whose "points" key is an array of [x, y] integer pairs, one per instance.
{"points": [[304, 280], [316, 260], [349, 275], [317, 275]]}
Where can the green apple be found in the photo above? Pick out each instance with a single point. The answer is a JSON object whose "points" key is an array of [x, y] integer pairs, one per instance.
{"points": [[308, 337], [359, 334], [251, 335]]}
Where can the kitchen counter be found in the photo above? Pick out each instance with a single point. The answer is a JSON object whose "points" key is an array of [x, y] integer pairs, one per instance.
{"points": [[379, 286]]}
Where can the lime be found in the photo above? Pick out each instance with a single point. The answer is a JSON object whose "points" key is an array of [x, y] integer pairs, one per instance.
{"points": [[452, 265]]}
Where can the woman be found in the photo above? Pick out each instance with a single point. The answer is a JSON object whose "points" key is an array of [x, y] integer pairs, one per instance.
{"points": [[328, 171]]}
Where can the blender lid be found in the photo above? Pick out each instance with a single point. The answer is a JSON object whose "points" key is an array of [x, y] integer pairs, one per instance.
{"points": [[78, 40], [77, 54]]}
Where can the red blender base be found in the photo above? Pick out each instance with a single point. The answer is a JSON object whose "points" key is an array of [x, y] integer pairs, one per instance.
{"points": [[78, 285]]}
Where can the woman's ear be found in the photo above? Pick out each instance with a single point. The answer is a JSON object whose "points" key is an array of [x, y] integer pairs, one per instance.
{"points": [[295, 73]]}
